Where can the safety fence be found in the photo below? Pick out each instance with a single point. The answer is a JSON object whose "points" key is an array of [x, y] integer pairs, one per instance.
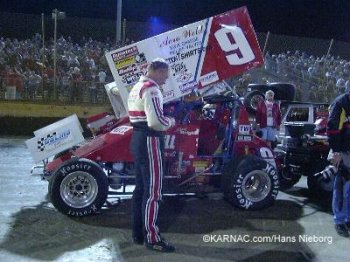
{"points": [[82, 92]]}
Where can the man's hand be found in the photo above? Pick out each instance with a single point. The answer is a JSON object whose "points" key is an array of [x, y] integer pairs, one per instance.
{"points": [[172, 121], [322, 176], [327, 174]]}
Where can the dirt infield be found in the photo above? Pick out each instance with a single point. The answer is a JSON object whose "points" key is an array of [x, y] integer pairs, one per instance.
{"points": [[202, 229]]}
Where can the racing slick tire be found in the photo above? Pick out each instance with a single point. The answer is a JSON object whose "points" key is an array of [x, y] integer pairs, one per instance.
{"points": [[251, 100], [79, 187], [250, 183]]}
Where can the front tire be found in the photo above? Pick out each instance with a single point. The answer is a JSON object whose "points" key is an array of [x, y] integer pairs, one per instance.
{"points": [[79, 188], [250, 183]]}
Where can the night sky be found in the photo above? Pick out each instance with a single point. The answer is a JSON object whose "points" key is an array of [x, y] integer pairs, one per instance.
{"points": [[311, 18]]}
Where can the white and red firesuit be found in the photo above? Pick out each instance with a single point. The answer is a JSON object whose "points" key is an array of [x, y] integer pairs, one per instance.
{"points": [[145, 105]]}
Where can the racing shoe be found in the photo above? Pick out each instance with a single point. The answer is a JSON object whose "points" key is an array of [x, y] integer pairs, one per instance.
{"points": [[161, 246], [342, 230]]}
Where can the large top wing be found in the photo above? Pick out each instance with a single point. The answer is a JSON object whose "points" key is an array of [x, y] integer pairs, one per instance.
{"points": [[199, 54]]}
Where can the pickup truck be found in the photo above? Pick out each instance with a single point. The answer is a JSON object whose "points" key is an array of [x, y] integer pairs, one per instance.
{"points": [[304, 113]]}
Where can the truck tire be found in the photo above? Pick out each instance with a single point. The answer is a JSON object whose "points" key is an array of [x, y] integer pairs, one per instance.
{"points": [[79, 187], [250, 183], [251, 100]]}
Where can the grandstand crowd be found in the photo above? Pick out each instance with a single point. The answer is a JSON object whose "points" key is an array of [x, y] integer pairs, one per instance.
{"points": [[25, 65], [318, 79], [82, 71]]}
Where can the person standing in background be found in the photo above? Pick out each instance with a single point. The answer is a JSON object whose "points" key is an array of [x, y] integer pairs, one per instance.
{"points": [[268, 117]]}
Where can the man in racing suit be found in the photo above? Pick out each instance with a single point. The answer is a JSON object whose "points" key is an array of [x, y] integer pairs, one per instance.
{"points": [[338, 131], [145, 105]]}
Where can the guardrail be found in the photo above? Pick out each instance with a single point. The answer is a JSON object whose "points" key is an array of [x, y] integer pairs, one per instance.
{"points": [[83, 92]]}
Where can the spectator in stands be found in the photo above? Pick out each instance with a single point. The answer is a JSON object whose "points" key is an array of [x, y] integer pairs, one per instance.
{"points": [[92, 84], [102, 78], [307, 71], [76, 92], [303, 69], [34, 81], [64, 84]]}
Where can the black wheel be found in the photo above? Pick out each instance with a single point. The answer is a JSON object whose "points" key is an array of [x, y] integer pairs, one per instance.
{"points": [[78, 188], [250, 183], [318, 186], [252, 99], [287, 179]]}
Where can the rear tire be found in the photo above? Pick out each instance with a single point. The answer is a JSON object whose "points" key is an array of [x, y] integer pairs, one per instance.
{"points": [[250, 183]]}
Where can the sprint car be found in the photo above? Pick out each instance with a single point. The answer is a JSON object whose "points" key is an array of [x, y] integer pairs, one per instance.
{"points": [[212, 148]]}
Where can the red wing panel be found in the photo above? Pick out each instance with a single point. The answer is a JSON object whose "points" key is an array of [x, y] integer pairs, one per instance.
{"points": [[232, 46]]}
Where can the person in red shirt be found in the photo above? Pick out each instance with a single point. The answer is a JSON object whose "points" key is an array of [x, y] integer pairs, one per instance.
{"points": [[268, 117]]}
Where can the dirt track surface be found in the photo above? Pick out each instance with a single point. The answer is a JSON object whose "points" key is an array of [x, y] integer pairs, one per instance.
{"points": [[202, 229]]}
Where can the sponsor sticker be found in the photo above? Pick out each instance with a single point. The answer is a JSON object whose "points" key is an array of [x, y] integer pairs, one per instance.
{"points": [[244, 138], [200, 165], [128, 61], [126, 70], [184, 131], [131, 78], [54, 140], [121, 130], [124, 53], [188, 86], [244, 129], [184, 77], [209, 78], [168, 94]]}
